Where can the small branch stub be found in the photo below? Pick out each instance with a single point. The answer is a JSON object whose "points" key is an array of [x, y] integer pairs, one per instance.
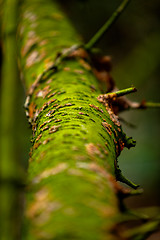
{"points": [[126, 91], [121, 178], [114, 95]]}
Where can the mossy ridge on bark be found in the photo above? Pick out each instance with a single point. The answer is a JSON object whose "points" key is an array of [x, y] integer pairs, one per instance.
{"points": [[71, 190]]}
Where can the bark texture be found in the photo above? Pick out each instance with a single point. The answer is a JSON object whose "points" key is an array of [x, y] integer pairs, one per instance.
{"points": [[72, 191]]}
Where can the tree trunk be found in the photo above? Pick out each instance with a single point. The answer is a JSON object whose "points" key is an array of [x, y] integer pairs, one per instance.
{"points": [[72, 191]]}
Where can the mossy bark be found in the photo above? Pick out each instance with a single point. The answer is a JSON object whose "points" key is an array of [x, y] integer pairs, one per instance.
{"points": [[71, 191]]}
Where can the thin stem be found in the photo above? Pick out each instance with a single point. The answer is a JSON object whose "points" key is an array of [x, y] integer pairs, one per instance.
{"points": [[97, 37], [143, 231], [152, 105], [9, 166], [143, 105], [126, 91]]}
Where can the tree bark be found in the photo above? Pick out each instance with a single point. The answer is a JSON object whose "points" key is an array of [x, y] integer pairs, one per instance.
{"points": [[72, 191]]}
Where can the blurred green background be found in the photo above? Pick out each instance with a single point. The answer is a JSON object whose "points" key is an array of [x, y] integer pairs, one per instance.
{"points": [[133, 42]]}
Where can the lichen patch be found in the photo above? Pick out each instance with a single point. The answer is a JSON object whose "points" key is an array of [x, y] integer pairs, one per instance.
{"points": [[51, 95], [85, 64], [67, 69], [46, 141], [79, 71], [95, 107], [39, 136], [30, 16], [50, 172], [43, 92], [32, 58], [108, 127], [106, 100], [30, 42], [113, 116], [31, 110], [36, 145], [42, 206], [54, 129], [43, 42], [92, 150], [75, 172], [50, 113], [45, 128]]}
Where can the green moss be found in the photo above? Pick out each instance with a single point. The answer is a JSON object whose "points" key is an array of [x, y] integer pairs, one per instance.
{"points": [[72, 163]]}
